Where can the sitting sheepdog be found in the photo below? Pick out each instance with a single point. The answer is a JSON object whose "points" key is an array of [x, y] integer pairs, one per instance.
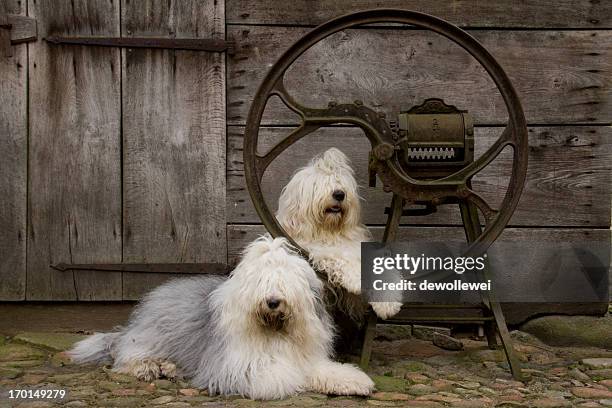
{"points": [[320, 209], [263, 332]]}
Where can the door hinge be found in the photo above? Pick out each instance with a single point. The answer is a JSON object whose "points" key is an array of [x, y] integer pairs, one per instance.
{"points": [[15, 29], [193, 44], [189, 268]]}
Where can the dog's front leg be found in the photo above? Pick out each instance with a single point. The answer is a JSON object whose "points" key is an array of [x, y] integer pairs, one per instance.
{"points": [[351, 276], [342, 273], [329, 377]]}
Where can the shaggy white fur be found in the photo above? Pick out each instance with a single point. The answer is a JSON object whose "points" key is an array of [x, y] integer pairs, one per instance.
{"points": [[263, 333], [320, 209]]}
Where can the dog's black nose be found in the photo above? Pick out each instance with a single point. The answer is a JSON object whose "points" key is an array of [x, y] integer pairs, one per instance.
{"points": [[338, 195], [273, 303]]}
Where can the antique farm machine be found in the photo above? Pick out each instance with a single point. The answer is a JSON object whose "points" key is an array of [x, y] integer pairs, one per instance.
{"points": [[425, 157]]}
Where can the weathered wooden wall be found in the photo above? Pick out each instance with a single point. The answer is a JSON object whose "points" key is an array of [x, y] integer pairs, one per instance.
{"points": [[558, 193], [559, 59], [465, 13], [561, 76], [111, 155]]}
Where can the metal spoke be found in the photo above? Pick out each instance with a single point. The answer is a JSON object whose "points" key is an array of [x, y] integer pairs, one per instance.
{"points": [[506, 138], [488, 212], [289, 101], [264, 161]]}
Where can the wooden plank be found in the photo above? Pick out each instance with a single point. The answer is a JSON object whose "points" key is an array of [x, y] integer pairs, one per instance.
{"points": [[560, 76], [240, 235], [13, 173], [470, 13], [74, 150], [174, 141], [62, 317], [568, 182], [88, 317]]}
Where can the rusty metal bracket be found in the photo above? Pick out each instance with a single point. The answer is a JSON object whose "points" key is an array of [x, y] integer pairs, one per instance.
{"points": [[193, 44], [188, 268], [15, 29]]}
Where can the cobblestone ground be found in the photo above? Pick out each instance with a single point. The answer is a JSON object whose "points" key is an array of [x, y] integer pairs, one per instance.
{"points": [[409, 372]]}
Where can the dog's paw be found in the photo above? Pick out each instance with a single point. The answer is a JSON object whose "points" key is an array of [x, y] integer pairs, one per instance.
{"points": [[167, 369], [354, 382], [145, 370], [342, 273], [385, 310], [361, 384], [341, 379]]}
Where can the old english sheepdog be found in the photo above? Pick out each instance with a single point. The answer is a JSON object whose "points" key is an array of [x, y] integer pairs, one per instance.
{"points": [[263, 333], [320, 209]]}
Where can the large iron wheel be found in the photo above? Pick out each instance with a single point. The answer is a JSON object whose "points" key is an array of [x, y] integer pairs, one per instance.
{"points": [[380, 135]]}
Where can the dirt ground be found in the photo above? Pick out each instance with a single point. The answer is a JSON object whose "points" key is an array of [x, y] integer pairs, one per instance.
{"points": [[408, 371]]}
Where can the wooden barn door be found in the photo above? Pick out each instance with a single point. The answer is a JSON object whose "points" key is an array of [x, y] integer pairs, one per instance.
{"points": [[123, 150], [173, 140], [74, 175]]}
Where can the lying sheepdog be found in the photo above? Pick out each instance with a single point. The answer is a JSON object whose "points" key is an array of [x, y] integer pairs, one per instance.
{"points": [[320, 209], [263, 333]]}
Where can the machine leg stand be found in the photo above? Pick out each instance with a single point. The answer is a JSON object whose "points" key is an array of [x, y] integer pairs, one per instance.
{"points": [[393, 222], [469, 214], [513, 361], [368, 340]]}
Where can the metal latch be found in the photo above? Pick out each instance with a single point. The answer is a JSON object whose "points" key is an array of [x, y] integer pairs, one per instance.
{"points": [[194, 44], [15, 29]]}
